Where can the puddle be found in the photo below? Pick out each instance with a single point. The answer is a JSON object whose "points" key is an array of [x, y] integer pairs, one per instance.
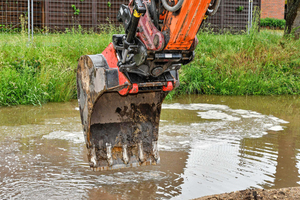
{"points": [[208, 145]]}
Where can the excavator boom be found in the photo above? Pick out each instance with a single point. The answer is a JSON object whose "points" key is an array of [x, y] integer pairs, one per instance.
{"points": [[121, 90]]}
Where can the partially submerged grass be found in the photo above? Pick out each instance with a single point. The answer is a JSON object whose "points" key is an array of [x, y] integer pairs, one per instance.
{"points": [[257, 64]]}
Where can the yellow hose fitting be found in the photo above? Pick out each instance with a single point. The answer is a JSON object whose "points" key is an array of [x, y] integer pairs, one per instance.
{"points": [[136, 14]]}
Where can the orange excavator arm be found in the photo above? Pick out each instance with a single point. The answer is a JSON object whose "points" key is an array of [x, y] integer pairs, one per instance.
{"points": [[181, 28]]}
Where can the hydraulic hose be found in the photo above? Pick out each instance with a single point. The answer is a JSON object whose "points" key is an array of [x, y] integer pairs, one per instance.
{"points": [[170, 8], [213, 8]]}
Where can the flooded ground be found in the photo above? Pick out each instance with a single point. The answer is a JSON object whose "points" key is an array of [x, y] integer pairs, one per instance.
{"points": [[208, 145]]}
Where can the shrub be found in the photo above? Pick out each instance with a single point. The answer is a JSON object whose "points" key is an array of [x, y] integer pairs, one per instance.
{"points": [[273, 23]]}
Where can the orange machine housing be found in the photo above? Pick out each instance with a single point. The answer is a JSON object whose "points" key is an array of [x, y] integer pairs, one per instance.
{"points": [[183, 25]]}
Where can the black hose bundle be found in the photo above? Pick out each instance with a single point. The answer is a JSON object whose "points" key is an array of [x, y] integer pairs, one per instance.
{"points": [[213, 8], [170, 8]]}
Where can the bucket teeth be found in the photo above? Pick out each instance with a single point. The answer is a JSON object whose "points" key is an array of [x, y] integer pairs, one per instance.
{"points": [[109, 154], [141, 152], [93, 157], [125, 154], [155, 151]]}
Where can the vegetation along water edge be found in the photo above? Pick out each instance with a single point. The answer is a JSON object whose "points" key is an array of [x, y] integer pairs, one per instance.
{"points": [[259, 63]]}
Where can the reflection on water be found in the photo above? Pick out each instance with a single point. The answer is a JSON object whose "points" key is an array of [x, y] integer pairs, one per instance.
{"points": [[208, 145]]}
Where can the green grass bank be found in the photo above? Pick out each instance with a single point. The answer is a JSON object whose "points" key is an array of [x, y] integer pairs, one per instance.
{"points": [[261, 63], [257, 64]]}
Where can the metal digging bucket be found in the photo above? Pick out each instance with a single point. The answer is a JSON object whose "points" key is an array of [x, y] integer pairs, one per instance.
{"points": [[120, 116]]}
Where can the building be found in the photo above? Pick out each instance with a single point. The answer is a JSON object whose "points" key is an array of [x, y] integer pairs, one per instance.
{"points": [[272, 9]]}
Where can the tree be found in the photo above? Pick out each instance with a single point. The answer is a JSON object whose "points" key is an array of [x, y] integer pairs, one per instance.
{"points": [[293, 18]]}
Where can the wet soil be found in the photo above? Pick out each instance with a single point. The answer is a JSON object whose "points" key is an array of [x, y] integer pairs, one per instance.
{"points": [[257, 194]]}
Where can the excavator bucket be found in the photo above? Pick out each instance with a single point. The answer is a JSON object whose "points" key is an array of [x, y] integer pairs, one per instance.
{"points": [[120, 117]]}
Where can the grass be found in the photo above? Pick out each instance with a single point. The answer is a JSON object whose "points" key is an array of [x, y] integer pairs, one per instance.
{"points": [[262, 63], [44, 70]]}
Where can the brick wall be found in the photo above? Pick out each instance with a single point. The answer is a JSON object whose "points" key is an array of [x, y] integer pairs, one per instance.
{"points": [[272, 9]]}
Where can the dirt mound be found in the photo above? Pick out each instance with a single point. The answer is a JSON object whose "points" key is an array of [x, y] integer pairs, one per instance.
{"points": [[257, 194]]}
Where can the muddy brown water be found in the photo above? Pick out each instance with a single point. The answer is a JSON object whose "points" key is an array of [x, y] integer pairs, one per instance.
{"points": [[208, 145]]}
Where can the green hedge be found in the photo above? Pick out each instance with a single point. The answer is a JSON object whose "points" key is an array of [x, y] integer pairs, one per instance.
{"points": [[271, 22]]}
